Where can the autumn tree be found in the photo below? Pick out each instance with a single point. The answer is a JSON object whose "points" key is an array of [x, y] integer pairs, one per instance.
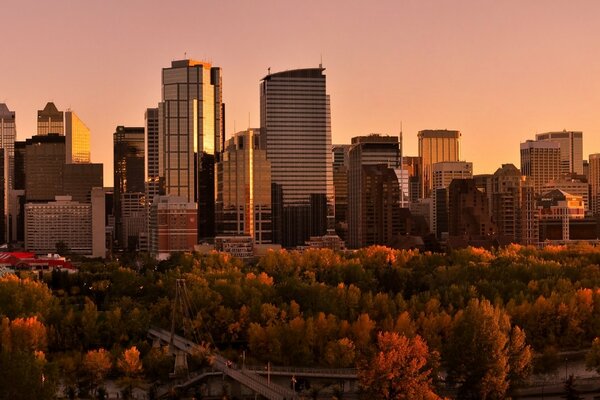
{"points": [[398, 370], [97, 364], [131, 366], [592, 358], [480, 352]]}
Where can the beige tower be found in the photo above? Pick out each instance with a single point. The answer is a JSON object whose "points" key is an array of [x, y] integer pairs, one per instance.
{"points": [[436, 146]]}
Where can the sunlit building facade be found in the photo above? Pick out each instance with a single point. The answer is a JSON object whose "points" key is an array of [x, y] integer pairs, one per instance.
{"points": [[436, 146], [594, 181], [191, 133], [541, 162], [8, 134], [296, 133], [243, 204], [77, 137]]}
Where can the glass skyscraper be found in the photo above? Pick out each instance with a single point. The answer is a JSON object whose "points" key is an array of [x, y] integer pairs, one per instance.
{"points": [[296, 133], [77, 139], [191, 130]]}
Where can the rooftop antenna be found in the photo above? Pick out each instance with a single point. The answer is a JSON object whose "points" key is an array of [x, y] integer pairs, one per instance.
{"points": [[185, 55], [321, 63], [269, 71]]}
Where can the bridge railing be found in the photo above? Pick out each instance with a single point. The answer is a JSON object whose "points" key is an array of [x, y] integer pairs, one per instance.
{"points": [[304, 370]]}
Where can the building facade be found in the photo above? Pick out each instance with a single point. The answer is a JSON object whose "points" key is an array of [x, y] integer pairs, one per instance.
{"points": [[77, 136], [436, 146], [173, 226], [571, 149], [469, 211], [243, 204], [50, 120], [541, 162], [192, 133], [443, 173], [296, 133], [594, 181]]}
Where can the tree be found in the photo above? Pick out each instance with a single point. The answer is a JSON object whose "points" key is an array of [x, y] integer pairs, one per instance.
{"points": [[479, 352], [592, 359], [96, 364], [131, 366], [399, 369]]}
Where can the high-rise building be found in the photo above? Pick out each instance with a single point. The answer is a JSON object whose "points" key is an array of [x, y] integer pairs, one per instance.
{"points": [[44, 167], [296, 132], [367, 150], [154, 182], [469, 210], [8, 134], [192, 133], [50, 120], [80, 179], [243, 204], [436, 146], [77, 137], [134, 221], [129, 175], [443, 173], [594, 180], [340, 153], [506, 201], [413, 165], [571, 149], [540, 161]]}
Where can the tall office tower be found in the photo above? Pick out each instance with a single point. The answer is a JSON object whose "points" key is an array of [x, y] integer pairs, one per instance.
{"points": [[340, 187], [442, 175], [571, 149], [506, 201], [576, 185], [367, 150], [413, 165], [192, 132], [540, 160], [77, 137], [594, 180], [469, 210], [436, 146], [586, 169], [8, 134], [129, 175], [530, 216], [296, 132], [243, 204], [50, 120], [154, 182], [80, 179], [134, 221], [44, 167]]}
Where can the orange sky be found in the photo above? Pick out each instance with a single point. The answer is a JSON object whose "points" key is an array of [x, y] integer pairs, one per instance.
{"points": [[499, 71]]}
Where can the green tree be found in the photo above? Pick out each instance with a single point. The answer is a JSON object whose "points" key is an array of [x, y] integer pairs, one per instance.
{"points": [[399, 369]]}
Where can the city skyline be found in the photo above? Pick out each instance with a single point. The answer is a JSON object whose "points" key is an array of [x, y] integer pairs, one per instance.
{"points": [[490, 70]]}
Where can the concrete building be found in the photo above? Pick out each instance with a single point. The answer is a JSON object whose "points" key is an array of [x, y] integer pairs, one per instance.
{"points": [[8, 134], [50, 120], [573, 184], [469, 212], [134, 221], [296, 132], [77, 135], [243, 204], [559, 206], [373, 149], [436, 146], [506, 201], [79, 179], [173, 226], [571, 149], [413, 165], [79, 226], [443, 173], [192, 134], [541, 162], [155, 184]]}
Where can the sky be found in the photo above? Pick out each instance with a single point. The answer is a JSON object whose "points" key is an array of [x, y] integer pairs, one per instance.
{"points": [[498, 71]]}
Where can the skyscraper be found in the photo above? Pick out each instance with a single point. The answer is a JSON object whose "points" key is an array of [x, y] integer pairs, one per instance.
{"points": [[129, 176], [154, 182], [8, 134], [192, 129], [50, 120], [540, 160], [77, 137], [436, 146], [367, 150], [243, 205], [571, 149], [296, 132], [594, 173], [442, 175]]}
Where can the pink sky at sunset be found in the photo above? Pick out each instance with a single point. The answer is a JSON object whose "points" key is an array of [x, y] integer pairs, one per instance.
{"points": [[498, 71]]}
